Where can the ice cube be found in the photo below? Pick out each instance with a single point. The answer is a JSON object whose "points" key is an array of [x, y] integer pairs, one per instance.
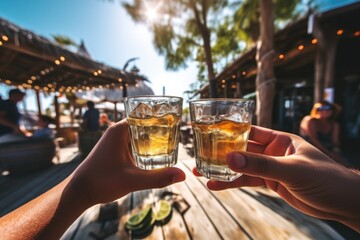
{"points": [[141, 111], [160, 109], [236, 113]]}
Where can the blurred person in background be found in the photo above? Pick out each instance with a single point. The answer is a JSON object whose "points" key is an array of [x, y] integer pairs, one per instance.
{"points": [[9, 113], [104, 122], [44, 131], [91, 118], [321, 129]]}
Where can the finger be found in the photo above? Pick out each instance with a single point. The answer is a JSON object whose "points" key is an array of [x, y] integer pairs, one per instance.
{"points": [[261, 135], [255, 147], [242, 181], [259, 165], [157, 178], [196, 173], [120, 130]]}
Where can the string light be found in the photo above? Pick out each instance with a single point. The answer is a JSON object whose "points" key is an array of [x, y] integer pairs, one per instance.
{"points": [[281, 56], [340, 32], [5, 38], [357, 34], [314, 41], [301, 47], [57, 62]]}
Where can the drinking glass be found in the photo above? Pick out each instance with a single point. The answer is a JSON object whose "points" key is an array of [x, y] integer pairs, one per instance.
{"points": [[220, 126], [154, 128]]}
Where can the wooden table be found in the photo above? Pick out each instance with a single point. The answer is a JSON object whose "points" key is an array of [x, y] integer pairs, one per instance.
{"points": [[247, 213]]}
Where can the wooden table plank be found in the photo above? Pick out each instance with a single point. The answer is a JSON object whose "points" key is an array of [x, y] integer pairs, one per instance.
{"points": [[246, 213], [310, 226], [265, 221], [221, 220]]}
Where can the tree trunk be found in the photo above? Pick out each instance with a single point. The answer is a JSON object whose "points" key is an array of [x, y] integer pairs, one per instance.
{"points": [[265, 79], [325, 59], [205, 33]]}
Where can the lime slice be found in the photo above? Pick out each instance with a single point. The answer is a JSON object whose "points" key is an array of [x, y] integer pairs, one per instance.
{"points": [[164, 210], [138, 218], [145, 224], [145, 229]]}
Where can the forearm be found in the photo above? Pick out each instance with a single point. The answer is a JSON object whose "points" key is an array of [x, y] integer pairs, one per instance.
{"points": [[46, 217]]}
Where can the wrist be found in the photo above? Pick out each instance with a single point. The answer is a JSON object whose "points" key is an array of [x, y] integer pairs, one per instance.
{"points": [[75, 196]]}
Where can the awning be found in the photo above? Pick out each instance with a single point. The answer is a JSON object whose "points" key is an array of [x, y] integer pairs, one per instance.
{"points": [[28, 60]]}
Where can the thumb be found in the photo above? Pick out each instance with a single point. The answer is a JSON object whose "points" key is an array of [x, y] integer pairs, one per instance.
{"points": [[258, 165]]}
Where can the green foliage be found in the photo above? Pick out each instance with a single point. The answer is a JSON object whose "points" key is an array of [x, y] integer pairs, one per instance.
{"points": [[64, 40], [181, 29], [246, 17]]}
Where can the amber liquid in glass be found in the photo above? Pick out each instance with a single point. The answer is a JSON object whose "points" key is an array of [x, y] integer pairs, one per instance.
{"points": [[155, 140], [214, 141]]}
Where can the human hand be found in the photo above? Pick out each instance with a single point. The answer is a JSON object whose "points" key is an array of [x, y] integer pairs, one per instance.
{"points": [[109, 171], [302, 175]]}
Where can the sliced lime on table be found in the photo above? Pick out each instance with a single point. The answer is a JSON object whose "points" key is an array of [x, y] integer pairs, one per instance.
{"points": [[164, 211], [138, 218], [146, 228]]}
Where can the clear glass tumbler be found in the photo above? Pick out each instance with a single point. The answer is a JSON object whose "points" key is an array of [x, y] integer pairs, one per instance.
{"points": [[154, 127], [220, 126]]}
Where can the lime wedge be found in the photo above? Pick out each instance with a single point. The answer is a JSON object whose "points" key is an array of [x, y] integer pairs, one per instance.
{"points": [[145, 229], [137, 218], [145, 224], [164, 210]]}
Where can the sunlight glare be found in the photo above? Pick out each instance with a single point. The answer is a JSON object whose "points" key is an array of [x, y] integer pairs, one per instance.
{"points": [[151, 11], [151, 14]]}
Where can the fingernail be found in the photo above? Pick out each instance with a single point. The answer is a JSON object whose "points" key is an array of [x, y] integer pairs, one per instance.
{"points": [[236, 160]]}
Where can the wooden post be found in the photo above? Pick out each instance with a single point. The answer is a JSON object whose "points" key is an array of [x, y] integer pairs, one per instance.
{"points": [[325, 59], [265, 78], [57, 112], [38, 102], [115, 113], [319, 76], [124, 90]]}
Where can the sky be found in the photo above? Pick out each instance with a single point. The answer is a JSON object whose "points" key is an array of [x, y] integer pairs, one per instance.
{"points": [[110, 36]]}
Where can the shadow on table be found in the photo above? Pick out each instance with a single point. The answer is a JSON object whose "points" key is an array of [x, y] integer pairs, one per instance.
{"points": [[283, 209]]}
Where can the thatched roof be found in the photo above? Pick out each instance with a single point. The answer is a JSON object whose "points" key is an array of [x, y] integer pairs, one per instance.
{"points": [[28, 60]]}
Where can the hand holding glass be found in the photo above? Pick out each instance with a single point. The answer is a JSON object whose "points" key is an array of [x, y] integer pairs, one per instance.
{"points": [[154, 128], [220, 126]]}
